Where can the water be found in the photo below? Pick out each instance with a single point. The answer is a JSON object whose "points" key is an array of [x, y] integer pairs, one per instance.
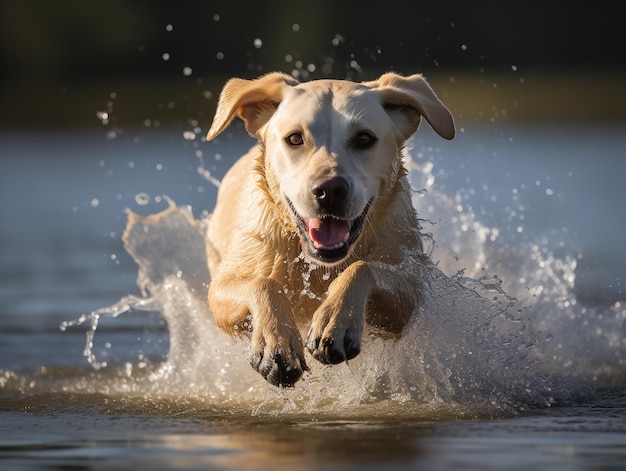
{"points": [[518, 359]]}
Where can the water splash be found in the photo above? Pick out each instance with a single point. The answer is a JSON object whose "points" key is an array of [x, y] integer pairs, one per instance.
{"points": [[500, 330], [124, 305]]}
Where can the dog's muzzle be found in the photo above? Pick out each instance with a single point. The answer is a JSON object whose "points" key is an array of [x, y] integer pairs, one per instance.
{"points": [[329, 238]]}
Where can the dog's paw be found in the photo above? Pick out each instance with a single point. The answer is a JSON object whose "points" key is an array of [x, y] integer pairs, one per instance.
{"points": [[280, 365], [333, 339], [331, 351], [277, 368]]}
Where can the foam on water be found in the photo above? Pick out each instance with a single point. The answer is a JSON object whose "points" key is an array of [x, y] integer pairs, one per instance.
{"points": [[499, 331]]}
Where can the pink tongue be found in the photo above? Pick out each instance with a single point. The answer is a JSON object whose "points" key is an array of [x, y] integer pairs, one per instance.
{"points": [[327, 232]]}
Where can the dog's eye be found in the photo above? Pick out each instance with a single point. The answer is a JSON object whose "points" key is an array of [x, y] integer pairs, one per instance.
{"points": [[295, 139], [364, 140]]}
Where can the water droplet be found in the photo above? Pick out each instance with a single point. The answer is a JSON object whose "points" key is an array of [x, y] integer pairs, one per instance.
{"points": [[142, 199], [295, 27], [189, 135], [187, 71], [258, 43], [169, 28], [95, 202], [103, 116], [355, 65], [337, 40], [165, 56]]}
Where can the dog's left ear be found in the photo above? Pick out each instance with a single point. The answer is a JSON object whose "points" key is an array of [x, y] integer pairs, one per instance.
{"points": [[408, 98], [253, 100]]}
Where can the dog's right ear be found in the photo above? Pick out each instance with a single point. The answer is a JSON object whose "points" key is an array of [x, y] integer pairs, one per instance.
{"points": [[254, 101]]}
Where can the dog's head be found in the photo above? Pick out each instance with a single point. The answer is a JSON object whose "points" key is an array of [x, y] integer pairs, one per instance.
{"points": [[331, 146]]}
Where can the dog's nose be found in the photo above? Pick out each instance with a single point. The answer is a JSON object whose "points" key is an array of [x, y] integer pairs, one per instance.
{"points": [[332, 193]]}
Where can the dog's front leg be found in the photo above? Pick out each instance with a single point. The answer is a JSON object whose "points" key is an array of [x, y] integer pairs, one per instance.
{"points": [[337, 325], [258, 306]]}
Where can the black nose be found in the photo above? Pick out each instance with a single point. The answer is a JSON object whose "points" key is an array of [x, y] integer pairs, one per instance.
{"points": [[331, 194]]}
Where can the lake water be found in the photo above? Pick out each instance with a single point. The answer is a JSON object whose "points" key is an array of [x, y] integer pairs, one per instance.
{"points": [[517, 362]]}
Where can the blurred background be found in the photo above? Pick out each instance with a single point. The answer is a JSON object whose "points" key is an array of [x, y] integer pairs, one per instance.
{"points": [[104, 104], [164, 61]]}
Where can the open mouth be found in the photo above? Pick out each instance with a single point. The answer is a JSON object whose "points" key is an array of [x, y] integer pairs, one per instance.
{"points": [[329, 238]]}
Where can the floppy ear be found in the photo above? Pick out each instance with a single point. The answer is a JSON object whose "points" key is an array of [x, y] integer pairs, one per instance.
{"points": [[253, 100], [408, 98]]}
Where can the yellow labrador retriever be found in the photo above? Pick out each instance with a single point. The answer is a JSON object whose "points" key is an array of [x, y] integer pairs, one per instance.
{"points": [[315, 226]]}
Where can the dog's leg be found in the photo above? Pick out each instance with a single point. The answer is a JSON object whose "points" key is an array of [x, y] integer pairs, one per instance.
{"points": [[259, 307], [337, 326]]}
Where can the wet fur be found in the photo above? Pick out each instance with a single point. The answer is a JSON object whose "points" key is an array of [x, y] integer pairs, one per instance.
{"points": [[263, 284]]}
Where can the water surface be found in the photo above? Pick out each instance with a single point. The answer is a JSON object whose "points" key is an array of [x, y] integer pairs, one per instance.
{"points": [[519, 362]]}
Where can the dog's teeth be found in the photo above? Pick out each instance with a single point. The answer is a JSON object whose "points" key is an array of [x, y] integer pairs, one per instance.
{"points": [[317, 245], [346, 237]]}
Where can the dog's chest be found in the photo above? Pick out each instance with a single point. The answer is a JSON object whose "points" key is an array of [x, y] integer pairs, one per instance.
{"points": [[306, 285]]}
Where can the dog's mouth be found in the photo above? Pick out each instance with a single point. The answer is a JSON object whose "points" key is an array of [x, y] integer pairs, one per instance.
{"points": [[329, 238]]}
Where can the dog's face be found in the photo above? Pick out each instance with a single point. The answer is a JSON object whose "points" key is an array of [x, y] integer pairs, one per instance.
{"points": [[332, 146]]}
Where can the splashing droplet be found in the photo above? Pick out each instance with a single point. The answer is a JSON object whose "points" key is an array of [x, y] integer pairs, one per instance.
{"points": [[142, 199]]}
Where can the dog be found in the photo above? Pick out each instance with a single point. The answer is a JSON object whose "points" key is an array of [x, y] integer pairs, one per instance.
{"points": [[315, 226]]}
